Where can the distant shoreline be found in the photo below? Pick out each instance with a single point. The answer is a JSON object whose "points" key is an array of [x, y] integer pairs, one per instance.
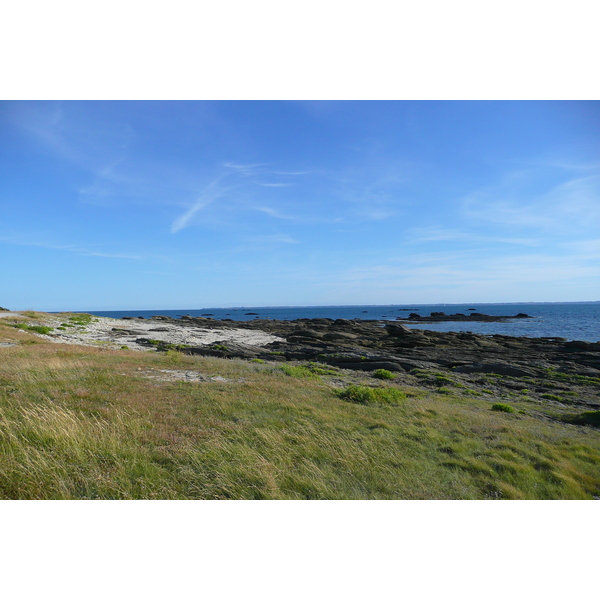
{"points": [[314, 306], [576, 321]]}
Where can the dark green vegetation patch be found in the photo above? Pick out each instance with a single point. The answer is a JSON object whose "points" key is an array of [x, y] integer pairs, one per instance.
{"points": [[37, 328], [360, 394], [383, 374], [587, 418], [501, 407]]}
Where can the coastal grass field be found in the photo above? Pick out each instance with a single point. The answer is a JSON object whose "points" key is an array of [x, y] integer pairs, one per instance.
{"points": [[81, 422]]}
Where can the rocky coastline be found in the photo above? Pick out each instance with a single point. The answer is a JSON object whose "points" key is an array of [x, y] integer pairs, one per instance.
{"points": [[366, 344], [548, 370], [551, 369]]}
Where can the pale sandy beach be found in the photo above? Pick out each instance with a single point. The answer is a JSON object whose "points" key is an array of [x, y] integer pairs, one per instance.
{"points": [[115, 333]]}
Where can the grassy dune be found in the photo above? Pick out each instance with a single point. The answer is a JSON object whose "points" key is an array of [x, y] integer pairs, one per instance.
{"points": [[82, 422]]}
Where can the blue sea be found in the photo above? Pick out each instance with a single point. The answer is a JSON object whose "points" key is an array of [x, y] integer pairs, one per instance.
{"points": [[571, 320]]}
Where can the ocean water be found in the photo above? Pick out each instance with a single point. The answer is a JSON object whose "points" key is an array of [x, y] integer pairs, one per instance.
{"points": [[570, 320]]}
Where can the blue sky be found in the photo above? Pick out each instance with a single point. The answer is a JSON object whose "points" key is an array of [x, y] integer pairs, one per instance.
{"points": [[149, 204]]}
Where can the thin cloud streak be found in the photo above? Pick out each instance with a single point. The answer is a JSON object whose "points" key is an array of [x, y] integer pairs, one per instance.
{"points": [[276, 214], [440, 234], [210, 195], [245, 169], [488, 279], [291, 172], [281, 238], [70, 248]]}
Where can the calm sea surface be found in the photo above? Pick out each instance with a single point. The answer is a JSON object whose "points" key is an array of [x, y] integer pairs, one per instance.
{"points": [[571, 320]]}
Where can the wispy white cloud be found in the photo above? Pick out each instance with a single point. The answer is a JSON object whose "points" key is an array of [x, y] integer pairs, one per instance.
{"points": [[441, 234], [273, 184], [379, 214], [470, 278], [291, 172], [585, 249], [566, 207], [71, 248], [250, 169], [92, 145], [110, 254], [273, 212], [210, 194], [280, 238], [559, 163]]}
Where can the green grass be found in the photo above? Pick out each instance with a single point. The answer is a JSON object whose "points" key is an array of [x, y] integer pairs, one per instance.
{"points": [[81, 319], [81, 423], [553, 397], [300, 372], [383, 374], [360, 394], [166, 346], [37, 328], [434, 377], [310, 370], [445, 390], [572, 378], [32, 314], [586, 418], [500, 407]]}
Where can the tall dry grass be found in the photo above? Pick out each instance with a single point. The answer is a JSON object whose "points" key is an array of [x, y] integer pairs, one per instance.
{"points": [[79, 422]]}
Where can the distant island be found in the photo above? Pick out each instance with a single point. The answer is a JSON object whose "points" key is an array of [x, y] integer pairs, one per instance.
{"points": [[439, 317]]}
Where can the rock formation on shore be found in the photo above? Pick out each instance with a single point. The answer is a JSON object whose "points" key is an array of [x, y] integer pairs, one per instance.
{"points": [[345, 342], [543, 367], [547, 370], [440, 317]]}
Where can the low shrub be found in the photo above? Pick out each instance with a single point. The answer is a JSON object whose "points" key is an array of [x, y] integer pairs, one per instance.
{"points": [[552, 397], [445, 390], [309, 370], [81, 319], [383, 374], [499, 406], [37, 328], [300, 372], [320, 369], [174, 356], [40, 329], [360, 394]]}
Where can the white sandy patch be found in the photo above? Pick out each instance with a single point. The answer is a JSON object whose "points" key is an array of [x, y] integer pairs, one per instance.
{"points": [[100, 333], [182, 375]]}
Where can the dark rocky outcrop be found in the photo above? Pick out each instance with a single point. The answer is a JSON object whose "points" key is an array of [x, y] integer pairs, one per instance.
{"points": [[440, 317]]}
